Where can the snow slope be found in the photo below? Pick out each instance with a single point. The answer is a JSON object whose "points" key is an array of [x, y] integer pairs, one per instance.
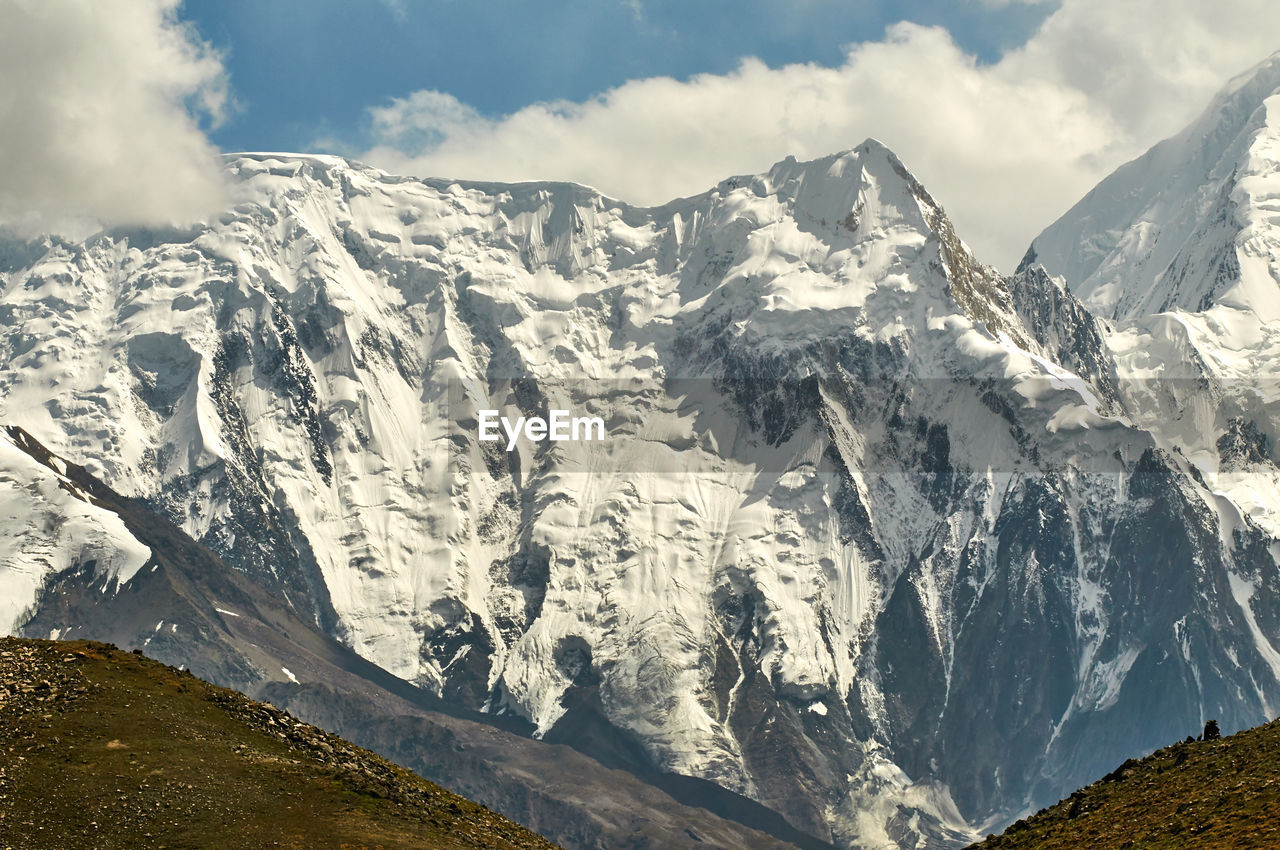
{"points": [[1190, 224]]}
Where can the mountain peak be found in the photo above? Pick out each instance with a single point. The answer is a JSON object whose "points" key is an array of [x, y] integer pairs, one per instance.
{"points": [[848, 164], [1174, 229], [1250, 87], [864, 183]]}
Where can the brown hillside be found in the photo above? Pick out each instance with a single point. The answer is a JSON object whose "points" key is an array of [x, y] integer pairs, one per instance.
{"points": [[1200, 794], [107, 749]]}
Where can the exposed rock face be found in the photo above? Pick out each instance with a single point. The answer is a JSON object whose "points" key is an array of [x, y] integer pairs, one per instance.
{"points": [[878, 538]]}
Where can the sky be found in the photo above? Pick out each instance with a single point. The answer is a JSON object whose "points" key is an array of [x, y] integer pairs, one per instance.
{"points": [[335, 58], [1007, 110]]}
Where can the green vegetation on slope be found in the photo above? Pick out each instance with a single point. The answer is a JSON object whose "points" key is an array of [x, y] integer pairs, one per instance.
{"points": [[1221, 793], [107, 749]]}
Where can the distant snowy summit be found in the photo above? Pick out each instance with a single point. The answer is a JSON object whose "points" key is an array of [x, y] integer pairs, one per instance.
{"points": [[1191, 224]]}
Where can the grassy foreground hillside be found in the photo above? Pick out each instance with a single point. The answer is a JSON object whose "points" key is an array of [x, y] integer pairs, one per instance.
{"points": [[1222, 793], [107, 749]]}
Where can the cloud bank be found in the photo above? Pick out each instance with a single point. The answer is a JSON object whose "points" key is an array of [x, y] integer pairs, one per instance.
{"points": [[98, 112], [1006, 147]]}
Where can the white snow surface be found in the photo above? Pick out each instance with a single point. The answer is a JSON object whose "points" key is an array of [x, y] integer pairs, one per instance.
{"points": [[1166, 231]]}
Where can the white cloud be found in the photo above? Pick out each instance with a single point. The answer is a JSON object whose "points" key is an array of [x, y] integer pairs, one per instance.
{"points": [[1006, 147], [96, 120], [424, 118]]}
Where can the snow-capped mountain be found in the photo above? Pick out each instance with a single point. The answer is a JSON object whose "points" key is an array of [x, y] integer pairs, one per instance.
{"points": [[879, 538], [1180, 252], [1189, 225]]}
